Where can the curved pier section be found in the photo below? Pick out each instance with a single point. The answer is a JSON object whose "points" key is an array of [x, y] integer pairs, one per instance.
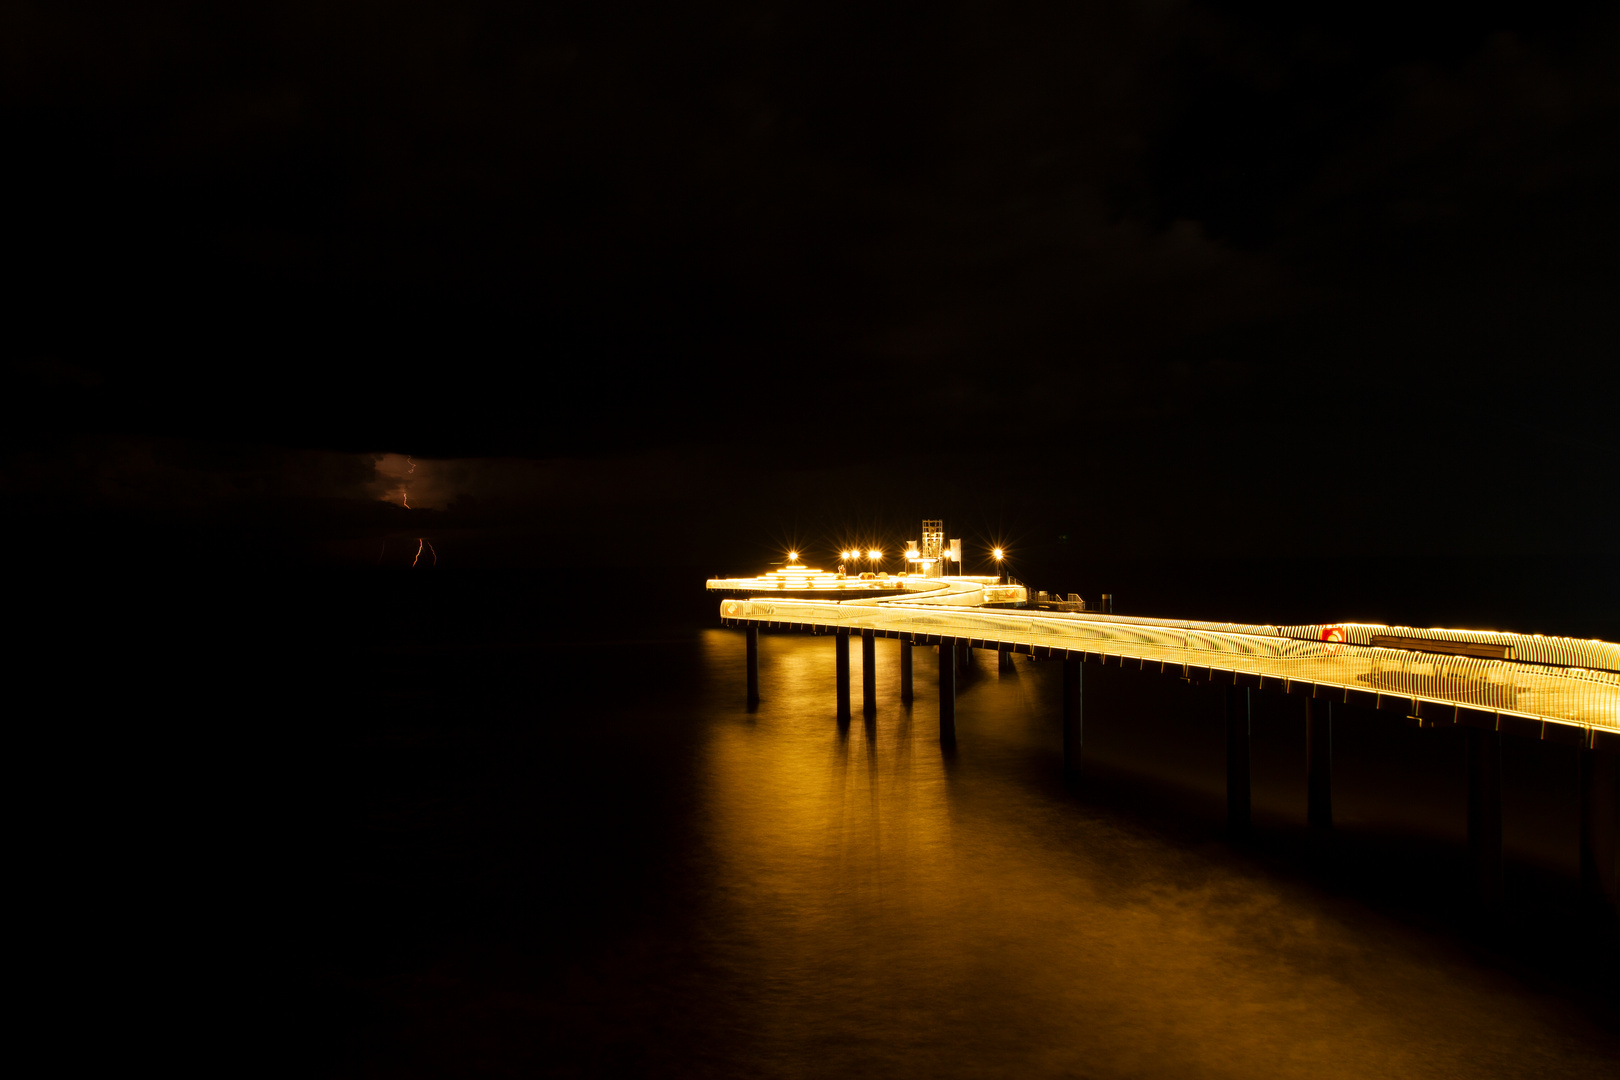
{"points": [[1522, 696], [1556, 689]]}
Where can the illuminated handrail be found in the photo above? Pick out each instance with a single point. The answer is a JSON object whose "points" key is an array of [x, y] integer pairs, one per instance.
{"points": [[1529, 648], [1576, 696], [821, 583]]}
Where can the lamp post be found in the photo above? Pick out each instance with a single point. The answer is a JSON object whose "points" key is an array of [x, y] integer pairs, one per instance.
{"points": [[1003, 653]]}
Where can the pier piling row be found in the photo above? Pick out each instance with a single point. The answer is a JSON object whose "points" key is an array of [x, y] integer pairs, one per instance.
{"points": [[1598, 745]]}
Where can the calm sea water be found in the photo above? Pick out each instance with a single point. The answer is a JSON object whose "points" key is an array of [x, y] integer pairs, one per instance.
{"points": [[585, 858], [409, 832]]}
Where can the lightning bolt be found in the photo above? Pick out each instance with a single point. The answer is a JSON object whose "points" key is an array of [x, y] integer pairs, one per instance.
{"points": [[421, 541]]}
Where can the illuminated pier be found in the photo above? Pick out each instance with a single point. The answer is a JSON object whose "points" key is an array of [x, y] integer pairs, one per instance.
{"points": [[1559, 690]]}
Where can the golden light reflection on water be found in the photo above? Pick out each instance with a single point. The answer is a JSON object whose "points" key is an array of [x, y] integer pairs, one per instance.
{"points": [[884, 908]]}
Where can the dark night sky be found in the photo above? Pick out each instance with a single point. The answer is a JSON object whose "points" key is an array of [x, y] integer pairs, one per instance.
{"points": [[1173, 278], [1171, 297]]}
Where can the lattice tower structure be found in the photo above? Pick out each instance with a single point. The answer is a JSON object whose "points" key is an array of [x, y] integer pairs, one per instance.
{"points": [[933, 540]]}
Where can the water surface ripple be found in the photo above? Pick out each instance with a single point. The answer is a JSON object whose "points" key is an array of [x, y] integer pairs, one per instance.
{"points": [[606, 864]]}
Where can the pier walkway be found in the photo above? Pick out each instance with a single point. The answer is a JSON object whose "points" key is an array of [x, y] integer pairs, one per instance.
{"points": [[1555, 688]]}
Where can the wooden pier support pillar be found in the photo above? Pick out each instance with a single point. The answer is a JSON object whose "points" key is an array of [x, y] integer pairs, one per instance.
{"points": [[753, 664], [947, 690], [1004, 661], [1237, 760], [905, 671], [1073, 718], [842, 638], [1484, 757], [1599, 789], [1319, 763], [868, 673]]}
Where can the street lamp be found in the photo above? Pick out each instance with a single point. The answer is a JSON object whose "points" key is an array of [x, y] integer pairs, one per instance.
{"points": [[1001, 567]]}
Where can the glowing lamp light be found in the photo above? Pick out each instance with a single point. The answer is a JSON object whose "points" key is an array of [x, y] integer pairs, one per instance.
{"points": [[793, 556], [998, 553], [874, 553]]}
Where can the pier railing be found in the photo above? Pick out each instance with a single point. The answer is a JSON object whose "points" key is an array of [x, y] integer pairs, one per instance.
{"points": [[1580, 703]]}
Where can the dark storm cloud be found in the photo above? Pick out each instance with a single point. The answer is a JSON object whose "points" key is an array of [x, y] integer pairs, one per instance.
{"points": [[215, 503], [182, 473], [1113, 243], [410, 192]]}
